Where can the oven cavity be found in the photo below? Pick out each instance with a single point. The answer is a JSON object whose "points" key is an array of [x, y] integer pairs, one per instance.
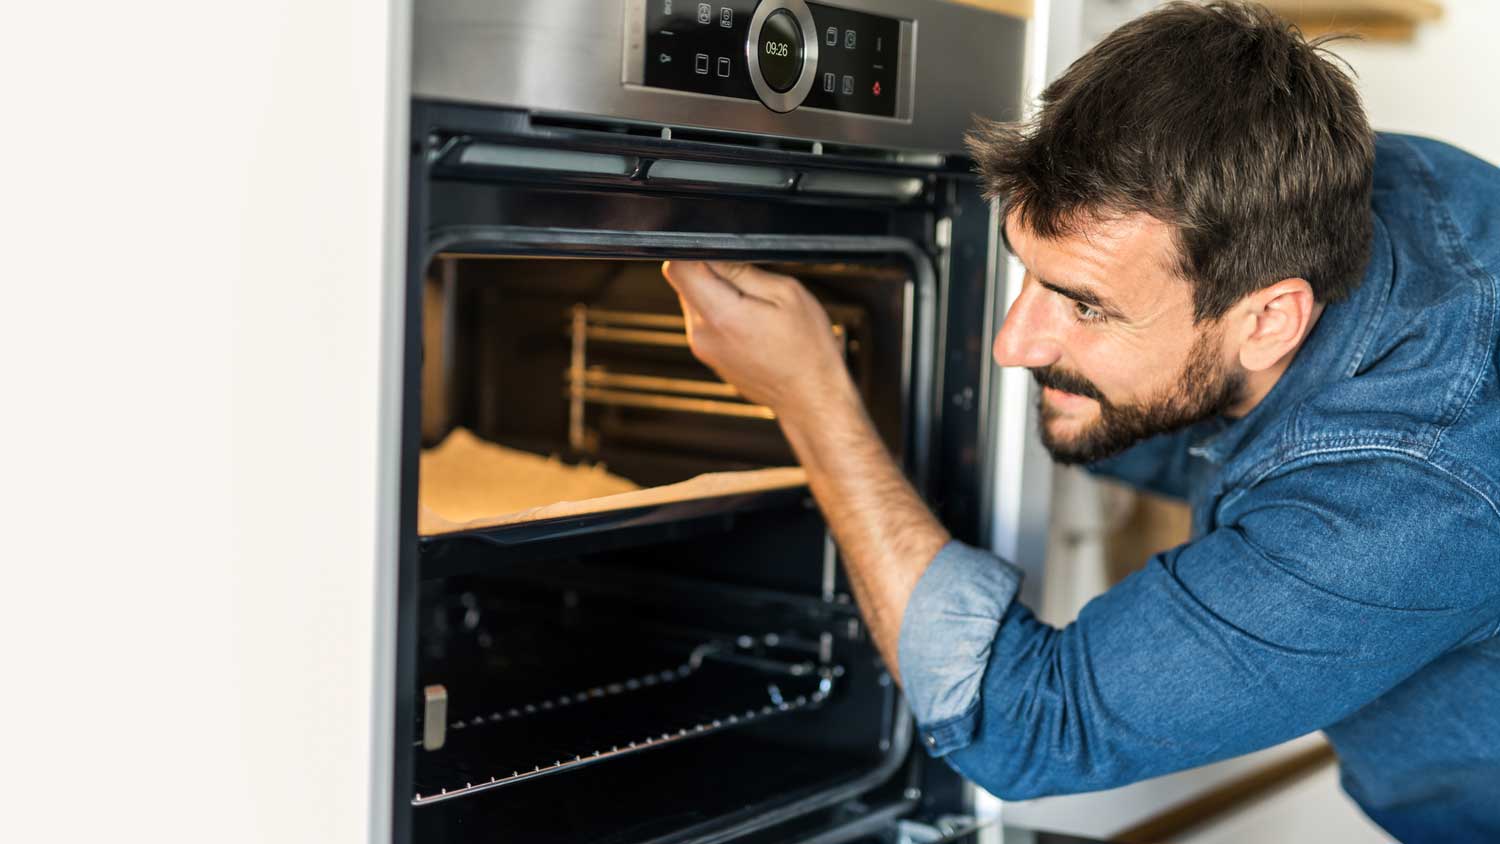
{"points": [[557, 388], [682, 649]]}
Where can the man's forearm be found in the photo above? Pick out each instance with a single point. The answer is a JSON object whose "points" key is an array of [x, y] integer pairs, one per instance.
{"points": [[885, 532]]}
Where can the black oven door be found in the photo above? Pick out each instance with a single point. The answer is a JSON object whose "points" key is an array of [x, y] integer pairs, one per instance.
{"points": [[777, 722]]}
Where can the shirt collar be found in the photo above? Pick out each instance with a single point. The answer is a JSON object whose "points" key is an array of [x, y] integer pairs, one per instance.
{"points": [[1332, 352]]}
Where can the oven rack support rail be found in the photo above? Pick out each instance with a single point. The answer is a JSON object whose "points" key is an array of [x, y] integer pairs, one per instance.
{"points": [[728, 652], [728, 721], [436, 696]]}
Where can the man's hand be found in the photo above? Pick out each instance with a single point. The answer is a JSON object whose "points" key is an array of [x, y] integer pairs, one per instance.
{"points": [[766, 335]]}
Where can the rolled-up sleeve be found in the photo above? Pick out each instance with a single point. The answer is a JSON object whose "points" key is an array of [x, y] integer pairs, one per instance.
{"points": [[949, 627]]}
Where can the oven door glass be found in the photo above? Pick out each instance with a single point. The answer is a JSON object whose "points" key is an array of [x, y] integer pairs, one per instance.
{"points": [[632, 624]]}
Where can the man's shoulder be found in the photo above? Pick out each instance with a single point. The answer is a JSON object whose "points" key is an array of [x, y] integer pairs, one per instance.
{"points": [[1440, 194], [1402, 160], [1424, 377], [1370, 432], [1376, 516]]}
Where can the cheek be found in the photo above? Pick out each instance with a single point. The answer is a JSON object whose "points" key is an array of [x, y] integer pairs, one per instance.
{"points": [[1124, 368], [1101, 360]]}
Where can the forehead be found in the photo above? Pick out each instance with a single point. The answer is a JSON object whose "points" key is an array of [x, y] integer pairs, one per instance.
{"points": [[1130, 260]]}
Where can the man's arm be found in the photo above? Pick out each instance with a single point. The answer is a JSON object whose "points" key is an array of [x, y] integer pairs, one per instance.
{"points": [[766, 334], [1319, 590], [885, 532]]}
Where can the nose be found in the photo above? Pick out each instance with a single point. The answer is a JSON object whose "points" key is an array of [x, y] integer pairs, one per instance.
{"points": [[1027, 338]]}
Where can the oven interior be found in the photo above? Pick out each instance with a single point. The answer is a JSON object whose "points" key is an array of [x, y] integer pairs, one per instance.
{"points": [[692, 669]]}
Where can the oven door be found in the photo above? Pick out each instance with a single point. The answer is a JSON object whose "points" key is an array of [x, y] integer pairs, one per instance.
{"points": [[694, 663], [739, 590]]}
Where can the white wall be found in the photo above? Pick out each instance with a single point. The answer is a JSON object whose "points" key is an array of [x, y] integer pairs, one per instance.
{"points": [[1443, 83], [197, 202]]}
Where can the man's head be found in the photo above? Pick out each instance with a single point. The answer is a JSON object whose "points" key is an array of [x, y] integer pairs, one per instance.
{"points": [[1193, 190]]}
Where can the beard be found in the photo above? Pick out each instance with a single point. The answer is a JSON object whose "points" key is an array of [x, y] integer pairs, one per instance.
{"points": [[1206, 388]]}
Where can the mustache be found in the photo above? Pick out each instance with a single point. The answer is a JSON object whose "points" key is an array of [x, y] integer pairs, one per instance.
{"points": [[1067, 382]]}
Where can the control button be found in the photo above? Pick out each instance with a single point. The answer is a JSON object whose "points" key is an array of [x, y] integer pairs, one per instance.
{"points": [[848, 84], [780, 51], [666, 7], [848, 39], [700, 64], [664, 58], [726, 17], [724, 67], [831, 37], [829, 81], [875, 89], [705, 13]]}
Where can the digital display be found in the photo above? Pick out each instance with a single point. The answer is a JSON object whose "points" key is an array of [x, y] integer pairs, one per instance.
{"points": [[857, 61], [700, 47], [781, 51]]}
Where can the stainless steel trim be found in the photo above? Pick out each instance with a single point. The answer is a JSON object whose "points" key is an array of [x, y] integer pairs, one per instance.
{"points": [[1022, 481], [906, 76], [774, 100], [384, 660], [634, 50], [586, 57], [988, 373]]}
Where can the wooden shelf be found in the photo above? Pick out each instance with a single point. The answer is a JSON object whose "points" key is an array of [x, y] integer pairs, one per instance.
{"points": [[1375, 20], [1015, 8]]}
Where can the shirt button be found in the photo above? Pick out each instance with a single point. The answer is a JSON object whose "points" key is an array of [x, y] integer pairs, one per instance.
{"points": [[931, 740]]}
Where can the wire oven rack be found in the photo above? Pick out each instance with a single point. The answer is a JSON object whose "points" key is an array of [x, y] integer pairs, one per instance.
{"points": [[722, 685], [594, 384]]}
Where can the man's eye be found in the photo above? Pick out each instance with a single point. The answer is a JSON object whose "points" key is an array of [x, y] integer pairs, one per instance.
{"points": [[1086, 313]]}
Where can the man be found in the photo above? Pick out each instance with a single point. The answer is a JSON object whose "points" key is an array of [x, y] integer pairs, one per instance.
{"points": [[1238, 295]]}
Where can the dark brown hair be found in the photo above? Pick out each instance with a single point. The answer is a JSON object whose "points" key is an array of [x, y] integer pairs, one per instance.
{"points": [[1219, 119]]}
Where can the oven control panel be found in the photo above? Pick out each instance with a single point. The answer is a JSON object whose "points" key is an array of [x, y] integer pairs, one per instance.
{"points": [[787, 54]]}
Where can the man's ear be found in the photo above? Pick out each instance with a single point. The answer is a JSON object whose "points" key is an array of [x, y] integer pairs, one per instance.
{"points": [[1274, 322]]}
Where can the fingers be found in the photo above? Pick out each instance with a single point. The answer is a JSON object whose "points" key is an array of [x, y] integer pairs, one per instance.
{"points": [[701, 289], [753, 280]]}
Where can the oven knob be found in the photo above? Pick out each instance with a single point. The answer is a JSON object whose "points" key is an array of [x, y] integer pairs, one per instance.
{"points": [[781, 58]]}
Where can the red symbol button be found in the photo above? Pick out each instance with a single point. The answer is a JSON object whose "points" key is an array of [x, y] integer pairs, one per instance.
{"points": [[876, 89]]}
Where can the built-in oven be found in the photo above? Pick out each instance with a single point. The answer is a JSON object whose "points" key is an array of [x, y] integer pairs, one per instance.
{"points": [[621, 616]]}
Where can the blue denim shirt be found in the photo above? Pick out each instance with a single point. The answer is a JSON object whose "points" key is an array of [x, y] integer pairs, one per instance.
{"points": [[1344, 571]]}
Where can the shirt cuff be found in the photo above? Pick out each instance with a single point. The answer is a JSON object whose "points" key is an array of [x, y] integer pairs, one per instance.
{"points": [[946, 634]]}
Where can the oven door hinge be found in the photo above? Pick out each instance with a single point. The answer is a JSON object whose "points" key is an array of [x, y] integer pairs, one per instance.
{"points": [[942, 234], [946, 828], [434, 717]]}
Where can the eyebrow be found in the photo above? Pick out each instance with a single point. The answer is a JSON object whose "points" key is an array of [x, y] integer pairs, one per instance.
{"points": [[1077, 294]]}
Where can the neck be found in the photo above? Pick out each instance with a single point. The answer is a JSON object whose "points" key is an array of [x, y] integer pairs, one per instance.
{"points": [[1259, 384]]}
